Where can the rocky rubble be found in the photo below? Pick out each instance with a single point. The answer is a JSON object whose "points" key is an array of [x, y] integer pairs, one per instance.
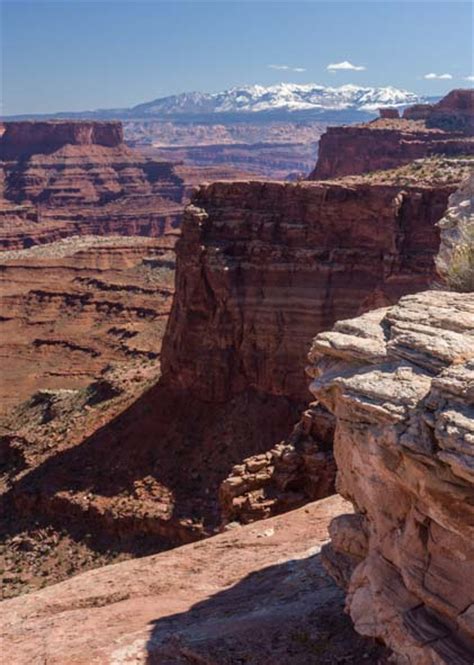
{"points": [[299, 469], [399, 382]]}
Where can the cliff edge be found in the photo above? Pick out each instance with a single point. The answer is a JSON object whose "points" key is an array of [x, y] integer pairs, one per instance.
{"points": [[399, 382]]}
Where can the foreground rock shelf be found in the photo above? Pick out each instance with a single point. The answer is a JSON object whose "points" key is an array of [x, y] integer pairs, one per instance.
{"points": [[256, 594]]}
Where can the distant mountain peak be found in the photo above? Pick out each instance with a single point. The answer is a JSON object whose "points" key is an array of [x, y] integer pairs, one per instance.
{"points": [[280, 97]]}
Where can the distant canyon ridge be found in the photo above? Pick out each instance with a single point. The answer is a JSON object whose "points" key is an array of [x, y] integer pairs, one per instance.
{"points": [[269, 131]]}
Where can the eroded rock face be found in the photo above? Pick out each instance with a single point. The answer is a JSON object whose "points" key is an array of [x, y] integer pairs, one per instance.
{"points": [[399, 382], [262, 266], [454, 112], [19, 139], [386, 143], [60, 179]]}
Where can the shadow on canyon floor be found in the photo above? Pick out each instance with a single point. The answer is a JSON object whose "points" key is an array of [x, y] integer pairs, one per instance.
{"points": [[291, 613], [157, 463]]}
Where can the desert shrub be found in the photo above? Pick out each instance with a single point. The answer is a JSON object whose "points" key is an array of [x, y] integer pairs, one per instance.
{"points": [[458, 271], [456, 268], [455, 260]]}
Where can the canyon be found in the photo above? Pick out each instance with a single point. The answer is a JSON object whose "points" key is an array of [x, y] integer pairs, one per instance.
{"points": [[261, 268], [61, 179], [273, 149]]}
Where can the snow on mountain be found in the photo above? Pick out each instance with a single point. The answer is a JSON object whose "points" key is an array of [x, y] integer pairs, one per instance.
{"points": [[281, 97]]}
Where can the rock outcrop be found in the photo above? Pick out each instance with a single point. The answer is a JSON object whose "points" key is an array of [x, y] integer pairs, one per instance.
{"points": [[454, 112], [389, 113], [399, 382], [256, 594], [386, 143]]}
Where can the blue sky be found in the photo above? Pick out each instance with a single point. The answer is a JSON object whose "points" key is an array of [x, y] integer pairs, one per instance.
{"points": [[79, 54]]}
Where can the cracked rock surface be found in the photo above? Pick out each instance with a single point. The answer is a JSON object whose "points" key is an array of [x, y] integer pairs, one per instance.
{"points": [[400, 382]]}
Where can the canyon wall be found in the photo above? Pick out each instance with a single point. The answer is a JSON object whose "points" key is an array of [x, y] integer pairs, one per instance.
{"points": [[261, 267], [62, 178], [20, 139], [399, 383], [445, 128]]}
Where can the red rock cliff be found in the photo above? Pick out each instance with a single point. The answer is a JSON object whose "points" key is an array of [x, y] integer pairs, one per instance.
{"points": [[263, 266], [444, 128], [25, 138]]}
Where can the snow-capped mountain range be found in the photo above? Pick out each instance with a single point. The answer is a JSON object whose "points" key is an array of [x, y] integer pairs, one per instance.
{"points": [[290, 102], [287, 97]]}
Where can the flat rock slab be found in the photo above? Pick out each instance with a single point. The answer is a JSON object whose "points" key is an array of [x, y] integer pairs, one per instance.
{"points": [[256, 594]]}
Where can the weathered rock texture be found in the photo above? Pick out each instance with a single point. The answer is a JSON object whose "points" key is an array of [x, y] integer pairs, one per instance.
{"points": [[445, 128], [297, 470], [399, 382], [256, 594]]}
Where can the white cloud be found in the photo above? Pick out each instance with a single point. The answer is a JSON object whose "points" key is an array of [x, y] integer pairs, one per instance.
{"points": [[345, 65], [439, 77], [287, 68], [469, 78]]}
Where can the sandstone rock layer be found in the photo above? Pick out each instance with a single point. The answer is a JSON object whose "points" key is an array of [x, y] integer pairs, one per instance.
{"points": [[399, 382], [263, 266], [444, 128]]}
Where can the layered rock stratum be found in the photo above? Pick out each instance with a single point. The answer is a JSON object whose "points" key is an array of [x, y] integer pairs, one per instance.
{"points": [[64, 178], [444, 128], [73, 308], [399, 382]]}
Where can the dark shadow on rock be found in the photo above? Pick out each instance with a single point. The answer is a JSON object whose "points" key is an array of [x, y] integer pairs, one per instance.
{"points": [[290, 613], [185, 446]]}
